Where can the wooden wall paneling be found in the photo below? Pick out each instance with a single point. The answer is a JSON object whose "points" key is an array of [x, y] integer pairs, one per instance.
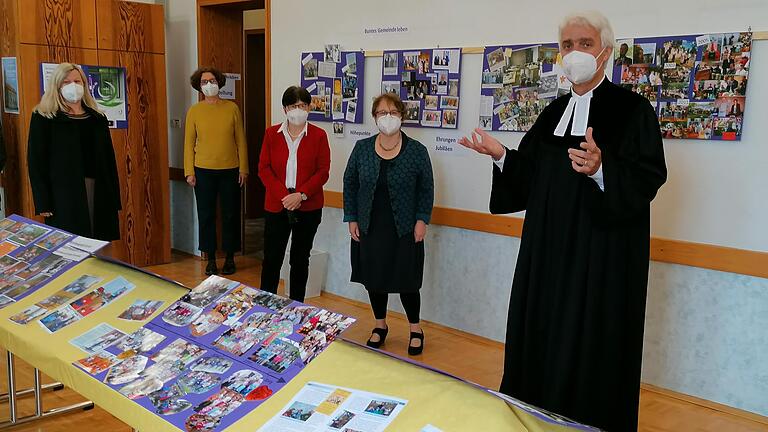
{"points": [[220, 42], [9, 46], [70, 23], [142, 159], [130, 26], [30, 58]]}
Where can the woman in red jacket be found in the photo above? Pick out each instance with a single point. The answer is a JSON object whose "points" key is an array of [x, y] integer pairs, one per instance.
{"points": [[294, 165]]}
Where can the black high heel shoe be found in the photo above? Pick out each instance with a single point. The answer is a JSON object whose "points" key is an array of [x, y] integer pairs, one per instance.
{"points": [[211, 268], [413, 350], [382, 332]]}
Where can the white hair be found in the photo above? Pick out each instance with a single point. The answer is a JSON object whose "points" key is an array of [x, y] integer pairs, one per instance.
{"points": [[593, 19]]}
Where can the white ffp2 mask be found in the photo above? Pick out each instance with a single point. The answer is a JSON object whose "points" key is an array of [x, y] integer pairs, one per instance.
{"points": [[72, 92], [297, 116], [388, 124], [579, 66], [210, 89]]}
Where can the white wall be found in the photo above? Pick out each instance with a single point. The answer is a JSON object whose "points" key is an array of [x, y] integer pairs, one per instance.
{"points": [[712, 195], [704, 332], [180, 61]]}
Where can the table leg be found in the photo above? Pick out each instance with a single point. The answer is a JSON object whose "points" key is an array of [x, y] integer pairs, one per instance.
{"points": [[11, 388], [37, 390]]}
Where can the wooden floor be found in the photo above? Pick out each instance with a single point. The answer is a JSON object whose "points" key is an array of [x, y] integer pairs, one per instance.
{"points": [[480, 362]]}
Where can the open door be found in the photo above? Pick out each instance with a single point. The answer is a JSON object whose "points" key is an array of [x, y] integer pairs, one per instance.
{"points": [[255, 104]]}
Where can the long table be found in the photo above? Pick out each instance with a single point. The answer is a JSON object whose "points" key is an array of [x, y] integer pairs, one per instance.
{"points": [[433, 398]]}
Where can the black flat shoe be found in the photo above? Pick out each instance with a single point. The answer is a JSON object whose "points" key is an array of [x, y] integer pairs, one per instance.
{"points": [[382, 332], [211, 268], [412, 350], [229, 267]]}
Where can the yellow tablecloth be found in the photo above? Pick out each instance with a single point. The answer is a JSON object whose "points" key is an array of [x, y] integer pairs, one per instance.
{"points": [[432, 398]]}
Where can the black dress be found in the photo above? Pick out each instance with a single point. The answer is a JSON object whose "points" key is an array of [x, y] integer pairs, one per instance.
{"points": [[382, 261]]}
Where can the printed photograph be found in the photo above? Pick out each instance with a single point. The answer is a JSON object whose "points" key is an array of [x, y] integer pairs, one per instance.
{"points": [[390, 63], [379, 407], [299, 411], [310, 69]]}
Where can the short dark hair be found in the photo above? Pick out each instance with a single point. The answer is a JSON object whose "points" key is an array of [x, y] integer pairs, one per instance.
{"points": [[294, 94], [221, 79], [391, 98]]}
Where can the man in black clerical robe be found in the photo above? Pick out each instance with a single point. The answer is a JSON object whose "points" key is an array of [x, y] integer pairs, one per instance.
{"points": [[577, 306]]}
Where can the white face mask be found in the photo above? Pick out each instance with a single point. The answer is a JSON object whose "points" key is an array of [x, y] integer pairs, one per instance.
{"points": [[297, 116], [72, 92], [210, 89], [579, 66], [388, 124]]}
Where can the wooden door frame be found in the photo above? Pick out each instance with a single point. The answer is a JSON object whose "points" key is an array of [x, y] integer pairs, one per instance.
{"points": [[241, 6]]}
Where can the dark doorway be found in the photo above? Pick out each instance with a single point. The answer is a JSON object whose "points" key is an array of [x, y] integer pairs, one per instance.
{"points": [[255, 107]]}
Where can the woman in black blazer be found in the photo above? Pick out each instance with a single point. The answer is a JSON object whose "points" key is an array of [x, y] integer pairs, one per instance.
{"points": [[71, 161]]}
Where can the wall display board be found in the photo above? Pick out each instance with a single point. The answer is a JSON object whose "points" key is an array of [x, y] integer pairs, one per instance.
{"points": [[214, 355], [336, 82], [698, 83], [428, 82], [518, 82]]}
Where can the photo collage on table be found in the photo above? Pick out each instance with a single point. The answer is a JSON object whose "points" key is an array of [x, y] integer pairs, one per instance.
{"points": [[213, 355], [31, 255], [82, 307], [334, 80], [518, 82], [696, 83], [428, 82]]}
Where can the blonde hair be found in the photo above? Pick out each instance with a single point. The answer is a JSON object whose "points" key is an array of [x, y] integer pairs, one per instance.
{"points": [[593, 19], [53, 102]]}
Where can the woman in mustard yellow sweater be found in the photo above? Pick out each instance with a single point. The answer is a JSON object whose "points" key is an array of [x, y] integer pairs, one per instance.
{"points": [[216, 165]]}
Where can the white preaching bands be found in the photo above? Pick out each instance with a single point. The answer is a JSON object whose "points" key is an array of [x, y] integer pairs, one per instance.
{"points": [[578, 109], [293, 152]]}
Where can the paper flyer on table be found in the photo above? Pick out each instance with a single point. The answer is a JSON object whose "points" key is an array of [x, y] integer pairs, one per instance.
{"points": [[325, 408]]}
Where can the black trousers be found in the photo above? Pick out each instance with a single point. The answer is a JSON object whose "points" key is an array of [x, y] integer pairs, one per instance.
{"points": [[277, 229], [221, 185], [411, 303]]}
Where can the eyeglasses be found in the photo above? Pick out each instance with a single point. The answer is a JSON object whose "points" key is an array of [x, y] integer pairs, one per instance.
{"points": [[394, 113], [210, 81], [301, 105]]}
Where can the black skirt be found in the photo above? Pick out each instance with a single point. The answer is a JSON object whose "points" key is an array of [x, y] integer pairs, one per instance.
{"points": [[382, 261]]}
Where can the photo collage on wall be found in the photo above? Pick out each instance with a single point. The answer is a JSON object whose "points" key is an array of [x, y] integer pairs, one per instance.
{"points": [[697, 83], [427, 81], [518, 82], [334, 79]]}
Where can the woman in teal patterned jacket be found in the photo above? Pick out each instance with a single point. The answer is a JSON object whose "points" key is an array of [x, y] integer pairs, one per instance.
{"points": [[388, 195]]}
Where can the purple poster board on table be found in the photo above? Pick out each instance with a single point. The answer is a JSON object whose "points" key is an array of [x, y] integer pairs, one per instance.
{"points": [[428, 81], [218, 353], [697, 83], [29, 257], [336, 88], [518, 82]]}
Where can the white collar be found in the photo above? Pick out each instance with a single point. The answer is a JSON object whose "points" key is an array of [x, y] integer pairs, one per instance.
{"points": [[284, 128], [578, 108]]}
